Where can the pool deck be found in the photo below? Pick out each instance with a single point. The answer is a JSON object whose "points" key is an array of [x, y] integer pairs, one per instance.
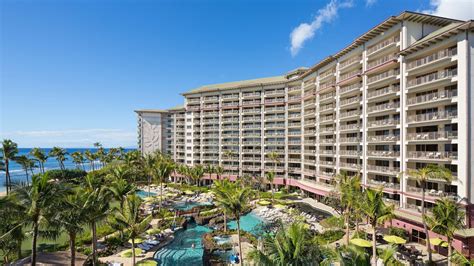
{"points": [[318, 205]]}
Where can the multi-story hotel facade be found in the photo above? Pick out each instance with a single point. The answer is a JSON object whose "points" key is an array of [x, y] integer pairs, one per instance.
{"points": [[399, 97]]}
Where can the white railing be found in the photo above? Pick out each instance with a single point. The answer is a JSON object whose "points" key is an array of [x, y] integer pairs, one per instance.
{"points": [[432, 97], [350, 100], [384, 75], [384, 91], [447, 73], [383, 138], [433, 155], [382, 61], [432, 57], [432, 135], [350, 61], [383, 107], [383, 122], [432, 116], [382, 44], [349, 126], [383, 153]]}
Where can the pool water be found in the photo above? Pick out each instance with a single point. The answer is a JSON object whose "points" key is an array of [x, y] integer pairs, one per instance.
{"points": [[185, 206], [181, 252], [144, 194]]}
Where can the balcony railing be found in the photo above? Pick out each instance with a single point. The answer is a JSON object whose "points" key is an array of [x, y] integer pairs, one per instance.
{"points": [[350, 101], [294, 133], [350, 113], [433, 57], [433, 135], [382, 61], [274, 109], [432, 116], [383, 107], [384, 153], [430, 192], [293, 107], [327, 152], [250, 102], [196, 100], [275, 100], [251, 94], [350, 61], [257, 111], [327, 163], [389, 185], [327, 118], [295, 88], [349, 126], [230, 96], [250, 119], [354, 166], [384, 75], [350, 140], [384, 169], [294, 115], [326, 107], [432, 97], [383, 122], [350, 152], [433, 155], [327, 85], [387, 90], [274, 92], [327, 141], [447, 73], [383, 138], [326, 129], [323, 97], [350, 74], [382, 44], [294, 124], [294, 98], [212, 98]]}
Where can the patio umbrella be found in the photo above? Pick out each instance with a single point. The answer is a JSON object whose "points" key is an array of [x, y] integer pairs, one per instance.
{"points": [[128, 252], [439, 242], [361, 242], [279, 206], [137, 241], [148, 199], [188, 192], [394, 239], [153, 231], [264, 202], [147, 263]]}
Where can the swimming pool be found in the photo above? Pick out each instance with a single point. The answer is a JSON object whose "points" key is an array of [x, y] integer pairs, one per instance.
{"points": [[144, 194], [181, 252], [185, 206]]}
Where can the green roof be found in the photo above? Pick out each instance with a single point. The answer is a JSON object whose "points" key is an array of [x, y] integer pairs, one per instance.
{"points": [[239, 84], [437, 32]]}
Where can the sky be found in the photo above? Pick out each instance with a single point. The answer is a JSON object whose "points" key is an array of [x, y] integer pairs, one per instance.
{"points": [[73, 71]]}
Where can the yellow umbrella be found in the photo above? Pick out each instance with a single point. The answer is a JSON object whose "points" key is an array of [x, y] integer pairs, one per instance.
{"points": [[148, 199], [128, 252], [137, 241], [153, 231], [361, 242], [188, 192], [394, 239], [279, 206], [264, 202], [147, 263], [439, 242]]}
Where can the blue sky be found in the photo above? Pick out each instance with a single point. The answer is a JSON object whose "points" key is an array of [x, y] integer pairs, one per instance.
{"points": [[72, 72]]}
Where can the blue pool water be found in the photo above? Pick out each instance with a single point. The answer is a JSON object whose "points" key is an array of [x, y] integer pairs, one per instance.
{"points": [[180, 251], [144, 194], [185, 206]]}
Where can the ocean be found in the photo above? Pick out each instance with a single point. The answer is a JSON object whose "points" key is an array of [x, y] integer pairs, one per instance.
{"points": [[18, 174]]}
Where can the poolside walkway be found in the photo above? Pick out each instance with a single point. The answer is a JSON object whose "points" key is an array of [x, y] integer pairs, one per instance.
{"points": [[318, 205]]}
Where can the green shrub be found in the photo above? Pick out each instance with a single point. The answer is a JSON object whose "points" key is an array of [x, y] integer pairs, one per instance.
{"points": [[333, 222], [68, 175], [329, 236], [397, 231]]}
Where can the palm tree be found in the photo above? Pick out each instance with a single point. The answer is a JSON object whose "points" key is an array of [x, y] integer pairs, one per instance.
{"points": [[120, 186], [422, 175], [78, 159], [270, 176], [197, 172], [235, 201], [162, 171], [11, 228], [101, 155], [26, 163], [40, 156], [9, 150], [149, 163], [275, 157], [387, 255], [71, 217], [346, 256], [446, 219], [349, 189], [129, 219], [97, 209], [220, 188], [292, 246], [41, 199], [60, 155], [377, 213], [209, 169], [218, 170], [91, 157]]}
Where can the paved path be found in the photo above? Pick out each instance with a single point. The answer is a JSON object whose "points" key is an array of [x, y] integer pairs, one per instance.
{"points": [[318, 205]]}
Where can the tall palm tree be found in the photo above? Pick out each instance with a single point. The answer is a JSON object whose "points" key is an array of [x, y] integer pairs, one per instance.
{"points": [[101, 156], [26, 163], [446, 219], [197, 172], [377, 213], [91, 157], [40, 156], [97, 208], [275, 158], [209, 169], [220, 188], [60, 155], [41, 199], [78, 159], [218, 170], [149, 163], [120, 188], [349, 192], [270, 176], [162, 171], [292, 246], [8, 150], [422, 176], [235, 201], [71, 217], [129, 218]]}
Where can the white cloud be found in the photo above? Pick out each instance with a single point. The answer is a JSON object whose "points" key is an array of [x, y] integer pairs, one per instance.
{"points": [[370, 2], [457, 9], [72, 138], [306, 31]]}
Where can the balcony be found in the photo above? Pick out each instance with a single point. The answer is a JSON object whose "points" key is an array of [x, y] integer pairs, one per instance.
{"points": [[387, 75], [349, 75], [326, 74], [446, 53], [193, 100], [383, 154], [253, 142], [251, 94], [327, 118], [294, 124], [434, 116], [349, 114], [308, 93], [382, 45], [274, 92], [310, 132], [278, 125], [384, 92], [350, 153], [383, 107], [211, 99], [326, 107], [383, 138], [275, 109], [383, 60], [212, 121], [294, 115], [230, 96], [349, 101], [250, 102], [433, 155], [432, 97], [327, 163], [383, 123], [327, 85], [310, 112], [275, 100], [350, 140], [326, 141], [352, 166], [327, 96], [252, 119], [252, 126], [294, 98], [348, 127], [349, 62], [430, 136], [430, 192], [251, 111], [327, 152], [294, 133], [294, 142], [227, 127], [252, 150], [210, 106], [432, 78], [295, 88], [274, 117], [389, 185], [193, 108], [294, 151], [230, 104], [384, 169], [294, 107], [327, 130]]}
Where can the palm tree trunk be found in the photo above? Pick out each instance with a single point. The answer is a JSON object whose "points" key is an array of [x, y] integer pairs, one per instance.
{"points": [[450, 251], [161, 194], [72, 247], [347, 227], [225, 222], [7, 175], [33, 246], [240, 242], [148, 180], [19, 249], [374, 245], [425, 227], [133, 251], [94, 244], [26, 172]]}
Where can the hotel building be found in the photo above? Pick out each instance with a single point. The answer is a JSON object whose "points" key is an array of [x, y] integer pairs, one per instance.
{"points": [[399, 97]]}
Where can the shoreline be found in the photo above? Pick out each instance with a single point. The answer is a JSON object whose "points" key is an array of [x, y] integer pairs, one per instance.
{"points": [[3, 193]]}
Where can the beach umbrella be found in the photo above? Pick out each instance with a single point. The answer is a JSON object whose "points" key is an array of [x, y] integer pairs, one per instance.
{"points": [[153, 231], [361, 242], [394, 239], [264, 203], [148, 199], [137, 241], [279, 206], [439, 242], [147, 263], [128, 252]]}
